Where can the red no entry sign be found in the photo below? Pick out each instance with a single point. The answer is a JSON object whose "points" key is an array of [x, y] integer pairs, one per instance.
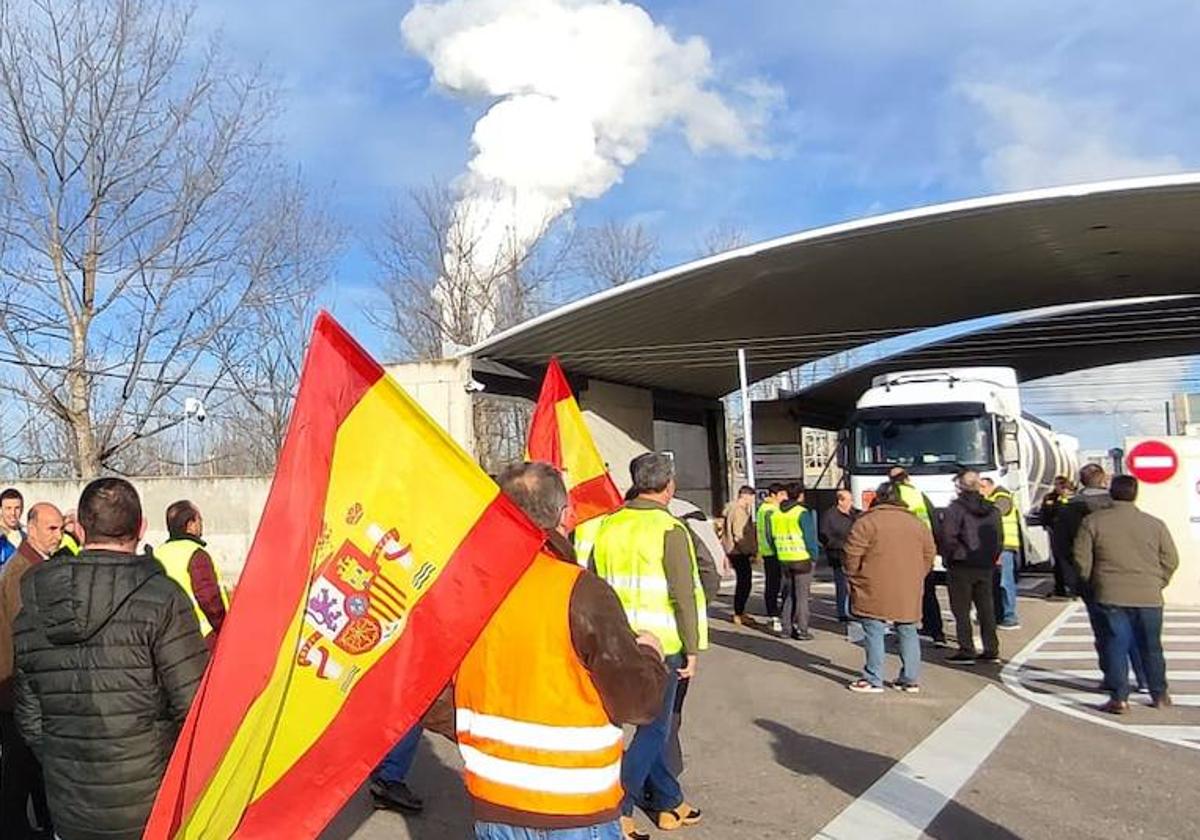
{"points": [[1152, 461]]}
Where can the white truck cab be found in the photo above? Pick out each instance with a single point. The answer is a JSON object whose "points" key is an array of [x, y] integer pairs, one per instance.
{"points": [[936, 422]]}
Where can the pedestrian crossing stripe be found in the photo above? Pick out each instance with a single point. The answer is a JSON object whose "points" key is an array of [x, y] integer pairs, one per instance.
{"points": [[1036, 674]]}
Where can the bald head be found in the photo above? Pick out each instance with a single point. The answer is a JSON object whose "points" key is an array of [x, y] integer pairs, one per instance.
{"points": [[44, 525]]}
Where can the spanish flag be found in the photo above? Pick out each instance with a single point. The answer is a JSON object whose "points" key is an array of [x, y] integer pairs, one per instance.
{"points": [[382, 552], [558, 435]]}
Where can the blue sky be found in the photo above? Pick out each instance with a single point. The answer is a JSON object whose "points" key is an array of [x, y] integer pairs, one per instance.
{"points": [[884, 106]]}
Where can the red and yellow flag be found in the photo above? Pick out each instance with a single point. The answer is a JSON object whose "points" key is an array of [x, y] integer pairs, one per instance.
{"points": [[558, 435], [382, 552]]}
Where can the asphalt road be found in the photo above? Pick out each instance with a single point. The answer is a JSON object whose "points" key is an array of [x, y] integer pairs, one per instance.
{"points": [[776, 747]]}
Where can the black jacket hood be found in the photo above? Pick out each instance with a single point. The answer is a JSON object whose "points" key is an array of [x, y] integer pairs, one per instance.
{"points": [[72, 598]]}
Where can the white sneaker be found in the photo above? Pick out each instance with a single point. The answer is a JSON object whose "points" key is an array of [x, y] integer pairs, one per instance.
{"points": [[776, 625]]}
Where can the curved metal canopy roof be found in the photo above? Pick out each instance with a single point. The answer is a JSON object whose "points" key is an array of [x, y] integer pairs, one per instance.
{"points": [[1061, 342], [803, 297]]}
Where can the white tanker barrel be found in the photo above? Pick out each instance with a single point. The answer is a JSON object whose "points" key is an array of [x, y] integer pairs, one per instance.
{"points": [[1045, 455]]}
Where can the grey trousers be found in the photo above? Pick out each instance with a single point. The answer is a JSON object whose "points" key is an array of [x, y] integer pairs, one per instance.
{"points": [[797, 584]]}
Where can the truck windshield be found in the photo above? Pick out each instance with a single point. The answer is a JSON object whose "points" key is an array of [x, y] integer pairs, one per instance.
{"points": [[914, 442]]}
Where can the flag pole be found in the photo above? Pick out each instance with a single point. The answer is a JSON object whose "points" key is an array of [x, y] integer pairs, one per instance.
{"points": [[747, 419]]}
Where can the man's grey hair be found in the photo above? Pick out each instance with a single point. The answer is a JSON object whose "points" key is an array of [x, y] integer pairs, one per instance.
{"points": [[652, 472], [968, 481], [1093, 476], [538, 489]]}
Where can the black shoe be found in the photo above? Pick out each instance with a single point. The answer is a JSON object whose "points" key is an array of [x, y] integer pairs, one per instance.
{"points": [[801, 636], [989, 658], [960, 658], [395, 796]]}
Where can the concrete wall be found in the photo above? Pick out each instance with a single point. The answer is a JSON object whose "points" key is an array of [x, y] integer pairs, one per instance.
{"points": [[689, 442], [231, 508], [621, 420], [1177, 502], [441, 388]]}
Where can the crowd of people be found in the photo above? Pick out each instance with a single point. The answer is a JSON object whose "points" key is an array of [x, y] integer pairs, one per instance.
{"points": [[102, 645]]}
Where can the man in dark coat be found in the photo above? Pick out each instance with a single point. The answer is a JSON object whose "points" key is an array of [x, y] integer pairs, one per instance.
{"points": [[836, 523], [108, 657], [971, 544]]}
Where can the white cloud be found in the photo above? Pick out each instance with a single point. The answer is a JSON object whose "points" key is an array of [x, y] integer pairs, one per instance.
{"points": [[1037, 140]]}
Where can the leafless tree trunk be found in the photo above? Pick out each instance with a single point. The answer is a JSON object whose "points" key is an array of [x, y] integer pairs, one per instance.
{"points": [[445, 287], [130, 173], [615, 253]]}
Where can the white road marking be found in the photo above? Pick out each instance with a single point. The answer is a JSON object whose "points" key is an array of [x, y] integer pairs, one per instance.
{"points": [[1096, 698], [1087, 637], [1090, 655], [907, 798], [1022, 676]]}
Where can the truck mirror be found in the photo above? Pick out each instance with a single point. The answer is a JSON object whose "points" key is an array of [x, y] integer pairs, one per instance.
{"points": [[1010, 447]]}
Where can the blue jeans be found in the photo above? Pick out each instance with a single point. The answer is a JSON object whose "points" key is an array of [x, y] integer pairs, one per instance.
{"points": [[1099, 634], [841, 592], [910, 651], [1008, 586], [497, 831], [1127, 629], [644, 773], [397, 763]]}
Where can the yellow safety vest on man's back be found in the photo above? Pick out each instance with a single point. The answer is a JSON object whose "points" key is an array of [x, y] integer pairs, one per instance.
{"points": [[788, 533], [765, 549], [914, 500], [629, 555], [175, 555], [1012, 527]]}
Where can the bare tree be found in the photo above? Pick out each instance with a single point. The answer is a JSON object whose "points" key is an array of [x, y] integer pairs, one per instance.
{"points": [[614, 253], [290, 255], [722, 237], [130, 168], [445, 285]]}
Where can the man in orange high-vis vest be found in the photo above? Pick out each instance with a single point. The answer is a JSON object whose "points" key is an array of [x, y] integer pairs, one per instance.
{"points": [[540, 698]]}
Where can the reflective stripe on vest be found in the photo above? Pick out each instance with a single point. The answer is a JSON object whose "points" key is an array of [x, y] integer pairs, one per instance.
{"points": [[175, 555], [585, 538], [788, 534], [914, 500], [1012, 527], [531, 727], [765, 549], [629, 555], [70, 543]]}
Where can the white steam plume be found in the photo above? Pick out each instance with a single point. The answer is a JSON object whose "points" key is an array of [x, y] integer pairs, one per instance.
{"points": [[582, 87]]}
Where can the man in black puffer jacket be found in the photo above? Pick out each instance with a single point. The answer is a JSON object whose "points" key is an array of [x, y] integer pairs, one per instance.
{"points": [[108, 658], [970, 542]]}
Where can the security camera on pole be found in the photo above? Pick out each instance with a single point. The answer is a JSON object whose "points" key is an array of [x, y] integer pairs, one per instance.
{"points": [[192, 407]]}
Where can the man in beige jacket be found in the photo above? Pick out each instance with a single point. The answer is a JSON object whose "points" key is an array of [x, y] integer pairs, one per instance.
{"points": [[740, 541], [1127, 558]]}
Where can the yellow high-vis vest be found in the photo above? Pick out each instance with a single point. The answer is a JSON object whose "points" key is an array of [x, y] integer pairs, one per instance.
{"points": [[914, 500], [788, 533], [585, 538], [175, 555], [70, 543], [765, 549], [1012, 526], [629, 555]]}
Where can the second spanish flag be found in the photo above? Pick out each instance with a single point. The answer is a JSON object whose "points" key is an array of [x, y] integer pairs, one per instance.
{"points": [[558, 435]]}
